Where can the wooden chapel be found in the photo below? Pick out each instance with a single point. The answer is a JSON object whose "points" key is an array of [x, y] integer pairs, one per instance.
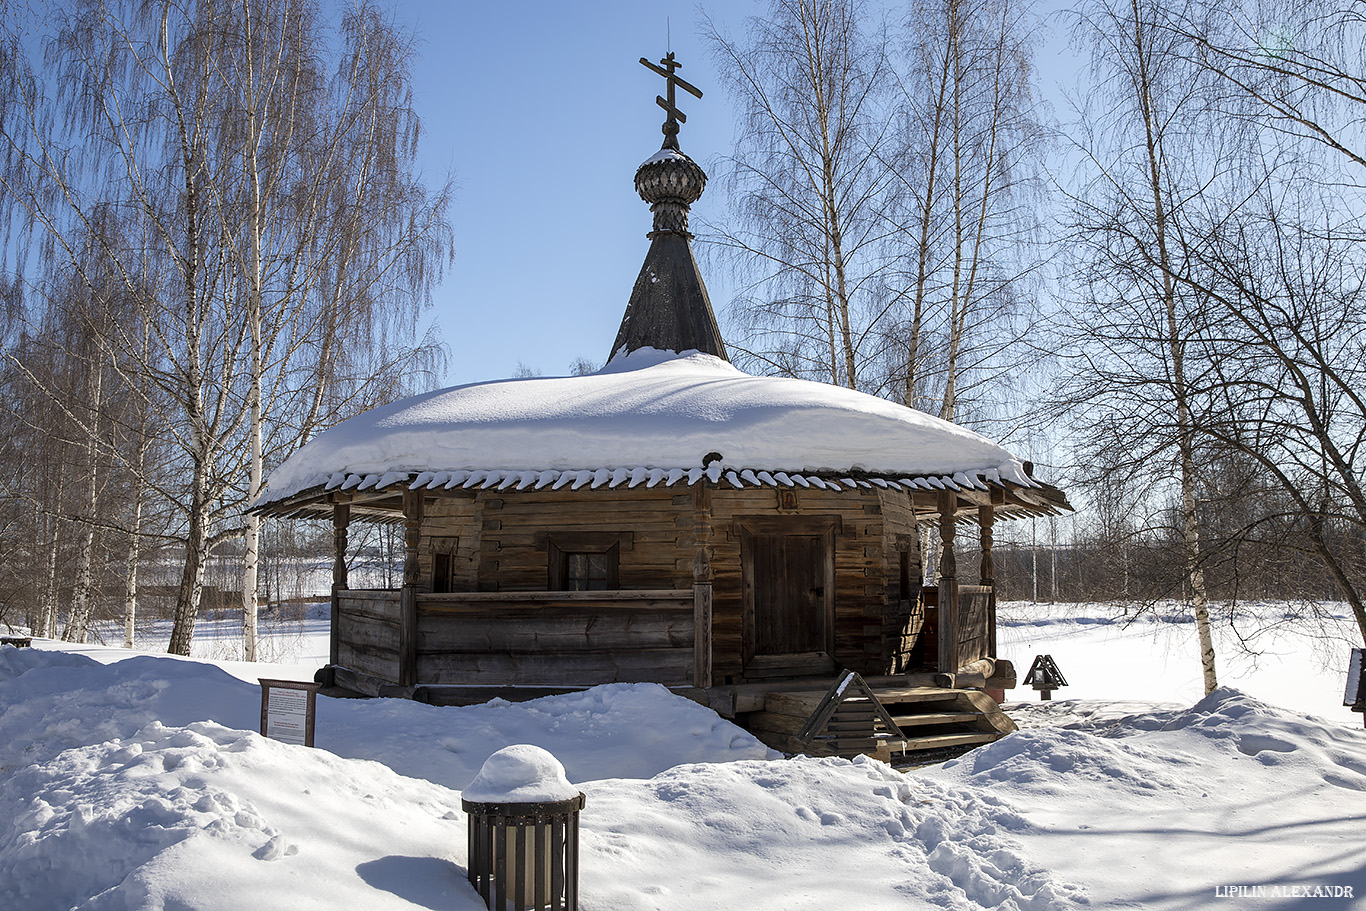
{"points": [[742, 540]]}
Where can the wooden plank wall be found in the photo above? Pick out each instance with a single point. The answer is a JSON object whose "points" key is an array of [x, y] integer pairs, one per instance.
{"points": [[904, 617], [367, 627], [451, 524], [514, 525], [615, 637], [860, 591], [500, 546], [974, 602]]}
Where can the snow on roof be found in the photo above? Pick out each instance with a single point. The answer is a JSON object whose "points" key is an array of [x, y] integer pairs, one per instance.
{"points": [[655, 414], [665, 154]]}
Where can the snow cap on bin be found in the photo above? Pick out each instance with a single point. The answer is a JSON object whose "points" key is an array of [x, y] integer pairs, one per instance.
{"points": [[520, 773]]}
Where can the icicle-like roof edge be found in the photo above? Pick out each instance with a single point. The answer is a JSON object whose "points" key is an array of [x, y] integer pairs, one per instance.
{"points": [[1040, 499]]}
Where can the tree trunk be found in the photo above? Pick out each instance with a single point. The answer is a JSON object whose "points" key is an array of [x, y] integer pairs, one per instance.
{"points": [[927, 210], [192, 574], [78, 618], [47, 622], [130, 593], [1195, 575], [251, 168]]}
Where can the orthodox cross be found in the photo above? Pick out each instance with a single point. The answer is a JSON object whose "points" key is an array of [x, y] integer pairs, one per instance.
{"points": [[675, 115]]}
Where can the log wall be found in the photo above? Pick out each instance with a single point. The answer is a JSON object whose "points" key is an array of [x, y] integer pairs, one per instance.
{"points": [[451, 525], [500, 545], [516, 529], [555, 638], [367, 631]]}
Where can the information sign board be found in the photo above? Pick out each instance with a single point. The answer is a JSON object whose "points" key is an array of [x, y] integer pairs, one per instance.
{"points": [[1355, 697], [288, 710]]}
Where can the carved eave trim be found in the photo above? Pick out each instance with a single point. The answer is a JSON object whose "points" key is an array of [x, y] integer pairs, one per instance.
{"points": [[377, 497]]}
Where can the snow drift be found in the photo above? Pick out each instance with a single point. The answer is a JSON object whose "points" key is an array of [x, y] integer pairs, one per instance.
{"points": [[140, 784]]}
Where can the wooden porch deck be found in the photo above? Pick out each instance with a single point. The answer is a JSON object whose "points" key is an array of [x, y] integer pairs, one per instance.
{"points": [[468, 648]]}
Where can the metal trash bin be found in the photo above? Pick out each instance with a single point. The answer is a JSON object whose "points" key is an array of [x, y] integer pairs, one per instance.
{"points": [[523, 847]]}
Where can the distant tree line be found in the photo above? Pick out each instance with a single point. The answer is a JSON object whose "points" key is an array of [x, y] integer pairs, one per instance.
{"points": [[215, 244]]}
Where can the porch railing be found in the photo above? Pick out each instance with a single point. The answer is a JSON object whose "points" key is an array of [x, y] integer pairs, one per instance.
{"points": [[555, 638]]}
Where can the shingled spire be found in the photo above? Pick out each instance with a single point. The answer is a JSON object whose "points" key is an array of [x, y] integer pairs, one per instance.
{"points": [[669, 308]]}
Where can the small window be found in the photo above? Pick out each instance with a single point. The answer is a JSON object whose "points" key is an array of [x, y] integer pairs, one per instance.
{"points": [[585, 561], [443, 563], [441, 573], [586, 572]]}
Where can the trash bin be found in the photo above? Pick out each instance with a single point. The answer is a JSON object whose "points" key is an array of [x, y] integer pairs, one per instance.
{"points": [[524, 832]]}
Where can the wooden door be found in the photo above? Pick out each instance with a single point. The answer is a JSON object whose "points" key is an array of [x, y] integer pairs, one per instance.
{"points": [[789, 603]]}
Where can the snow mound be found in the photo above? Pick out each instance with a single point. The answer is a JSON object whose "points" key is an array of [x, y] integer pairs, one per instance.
{"points": [[769, 834], [1281, 740], [101, 810], [51, 701], [618, 730], [204, 816], [1170, 804], [104, 809], [1050, 762], [520, 773]]}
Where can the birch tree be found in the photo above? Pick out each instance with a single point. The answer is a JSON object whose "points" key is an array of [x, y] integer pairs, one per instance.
{"points": [[276, 244], [1284, 267], [806, 184], [1147, 152], [965, 176], [333, 224]]}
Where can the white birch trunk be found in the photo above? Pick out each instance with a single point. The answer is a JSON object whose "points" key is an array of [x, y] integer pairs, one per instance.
{"points": [[255, 227], [47, 623], [78, 618], [130, 593], [1194, 574]]}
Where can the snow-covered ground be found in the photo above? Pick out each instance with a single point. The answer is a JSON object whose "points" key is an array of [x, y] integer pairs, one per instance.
{"points": [[136, 781], [1299, 664]]}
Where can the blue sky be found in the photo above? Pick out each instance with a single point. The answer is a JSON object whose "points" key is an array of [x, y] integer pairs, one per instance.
{"points": [[541, 112]]}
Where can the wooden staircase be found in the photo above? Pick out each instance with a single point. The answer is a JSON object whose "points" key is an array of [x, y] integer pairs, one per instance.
{"points": [[924, 720]]}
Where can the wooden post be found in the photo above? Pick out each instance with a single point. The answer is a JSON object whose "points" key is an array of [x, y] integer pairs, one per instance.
{"points": [[407, 623], [986, 517], [341, 522], [948, 585], [701, 585]]}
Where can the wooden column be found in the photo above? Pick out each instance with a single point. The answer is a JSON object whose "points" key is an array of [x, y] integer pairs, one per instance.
{"points": [[412, 574], [986, 518], [341, 523], [701, 585], [948, 585]]}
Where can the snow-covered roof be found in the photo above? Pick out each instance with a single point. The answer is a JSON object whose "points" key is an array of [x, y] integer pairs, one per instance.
{"points": [[649, 417]]}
